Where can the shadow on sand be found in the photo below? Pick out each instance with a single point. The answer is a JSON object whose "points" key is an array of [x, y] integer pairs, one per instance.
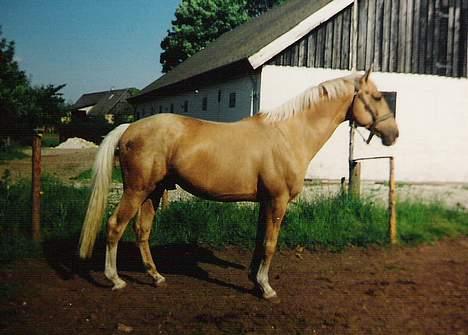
{"points": [[181, 259]]}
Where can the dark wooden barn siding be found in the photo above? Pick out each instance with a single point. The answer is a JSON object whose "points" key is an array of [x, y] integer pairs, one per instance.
{"points": [[407, 36], [326, 46]]}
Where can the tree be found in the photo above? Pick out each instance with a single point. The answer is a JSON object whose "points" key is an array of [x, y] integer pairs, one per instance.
{"points": [[22, 106], [199, 22], [258, 7], [13, 84]]}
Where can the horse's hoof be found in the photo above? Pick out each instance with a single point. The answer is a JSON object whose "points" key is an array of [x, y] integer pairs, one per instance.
{"points": [[272, 297], [160, 282], [119, 285], [274, 300]]}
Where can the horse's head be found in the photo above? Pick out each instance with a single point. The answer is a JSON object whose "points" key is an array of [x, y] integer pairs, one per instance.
{"points": [[370, 110]]}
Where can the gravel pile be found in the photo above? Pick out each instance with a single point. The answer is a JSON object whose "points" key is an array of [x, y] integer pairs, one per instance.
{"points": [[76, 143]]}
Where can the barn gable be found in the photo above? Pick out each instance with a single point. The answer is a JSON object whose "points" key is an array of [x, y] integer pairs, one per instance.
{"points": [[405, 36]]}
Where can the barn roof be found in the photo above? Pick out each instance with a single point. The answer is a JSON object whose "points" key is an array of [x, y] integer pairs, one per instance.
{"points": [[88, 99], [254, 42], [102, 102]]}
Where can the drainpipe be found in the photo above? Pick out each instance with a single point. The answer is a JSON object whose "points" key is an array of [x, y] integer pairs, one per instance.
{"points": [[254, 95]]}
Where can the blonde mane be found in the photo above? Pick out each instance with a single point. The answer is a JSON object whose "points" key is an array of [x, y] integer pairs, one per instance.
{"points": [[328, 90]]}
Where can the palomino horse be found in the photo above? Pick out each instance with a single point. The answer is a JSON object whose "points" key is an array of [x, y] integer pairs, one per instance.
{"points": [[263, 158]]}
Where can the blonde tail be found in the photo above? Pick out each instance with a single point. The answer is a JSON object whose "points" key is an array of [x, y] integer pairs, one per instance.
{"points": [[102, 177]]}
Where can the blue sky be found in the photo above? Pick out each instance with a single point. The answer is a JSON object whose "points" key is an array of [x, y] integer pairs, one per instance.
{"points": [[91, 45]]}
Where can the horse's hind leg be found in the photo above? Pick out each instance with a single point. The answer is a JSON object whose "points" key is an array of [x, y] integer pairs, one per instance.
{"points": [[125, 211], [142, 228]]}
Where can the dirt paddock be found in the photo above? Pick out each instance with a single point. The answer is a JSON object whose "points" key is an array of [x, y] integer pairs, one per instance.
{"points": [[420, 290], [401, 290]]}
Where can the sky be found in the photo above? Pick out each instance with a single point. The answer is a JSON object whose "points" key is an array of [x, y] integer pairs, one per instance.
{"points": [[90, 45]]}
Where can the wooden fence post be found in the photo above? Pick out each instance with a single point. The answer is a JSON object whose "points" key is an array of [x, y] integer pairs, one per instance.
{"points": [[36, 184], [392, 221], [165, 200], [355, 179]]}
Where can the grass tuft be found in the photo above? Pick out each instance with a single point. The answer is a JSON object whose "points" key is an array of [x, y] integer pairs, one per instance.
{"points": [[419, 222], [62, 210], [88, 174]]}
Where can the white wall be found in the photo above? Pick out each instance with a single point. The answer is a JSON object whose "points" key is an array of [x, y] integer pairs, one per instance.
{"points": [[216, 111], [431, 111]]}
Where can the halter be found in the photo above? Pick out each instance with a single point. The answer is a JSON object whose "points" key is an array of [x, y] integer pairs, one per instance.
{"points": [[375, 120]]}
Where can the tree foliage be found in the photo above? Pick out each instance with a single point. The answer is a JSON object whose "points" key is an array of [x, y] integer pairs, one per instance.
{"points": [[199, 22], [258, 7], [23, 106]]}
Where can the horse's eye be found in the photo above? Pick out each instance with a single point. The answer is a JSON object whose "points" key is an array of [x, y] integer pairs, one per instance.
{"points": [[377, 96]]}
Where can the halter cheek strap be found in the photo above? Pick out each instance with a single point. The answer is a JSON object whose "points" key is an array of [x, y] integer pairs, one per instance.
{"points": [[375, 120]]}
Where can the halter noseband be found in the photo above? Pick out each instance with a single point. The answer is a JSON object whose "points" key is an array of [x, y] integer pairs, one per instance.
{"points": [[375, 120]]}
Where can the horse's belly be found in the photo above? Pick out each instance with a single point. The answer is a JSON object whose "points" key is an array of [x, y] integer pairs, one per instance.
{"points": [[219, 186]]}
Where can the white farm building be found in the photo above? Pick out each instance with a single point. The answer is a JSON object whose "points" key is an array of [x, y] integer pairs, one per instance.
{"points": [[419, 53]]}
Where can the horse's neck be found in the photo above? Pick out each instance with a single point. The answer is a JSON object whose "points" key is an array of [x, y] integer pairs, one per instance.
{"points": [[317, 124]]}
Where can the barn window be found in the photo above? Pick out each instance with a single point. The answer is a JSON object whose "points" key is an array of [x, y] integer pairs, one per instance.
{"points": [[185, 106], [391, 98], [204, 104], [232, 100]]}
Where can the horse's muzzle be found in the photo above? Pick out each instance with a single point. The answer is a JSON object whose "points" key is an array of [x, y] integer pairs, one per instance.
{"points": [[390, 139]]}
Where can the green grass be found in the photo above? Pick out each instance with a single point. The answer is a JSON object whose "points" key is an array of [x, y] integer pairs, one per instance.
{"points": [[331, 222], [208, 222], [87, 175], [420, 223], [335, 222], [62, 211]]}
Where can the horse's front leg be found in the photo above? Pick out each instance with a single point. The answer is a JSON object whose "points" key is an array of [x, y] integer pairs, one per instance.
{"points": [[270, 218]]}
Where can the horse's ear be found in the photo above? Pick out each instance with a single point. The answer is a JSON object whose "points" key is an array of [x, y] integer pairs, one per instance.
{"points": [[365, 77]]}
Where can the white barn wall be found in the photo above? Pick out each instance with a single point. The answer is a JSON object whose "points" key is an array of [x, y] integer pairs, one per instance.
{"points": [[432, 114], [216, 111]]}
